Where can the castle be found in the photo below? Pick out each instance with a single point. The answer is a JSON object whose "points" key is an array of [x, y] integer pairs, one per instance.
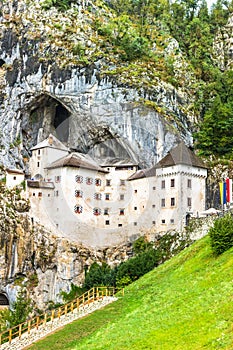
{"points": [[102, 204]]}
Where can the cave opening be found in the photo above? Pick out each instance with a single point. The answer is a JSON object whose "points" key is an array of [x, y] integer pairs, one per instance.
{"points": [[4, 302], [61, 122], [2, 62]]}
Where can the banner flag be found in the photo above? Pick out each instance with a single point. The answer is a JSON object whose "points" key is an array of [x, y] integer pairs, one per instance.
{"points": [[229, 190], [224, 192], [221, 191]]}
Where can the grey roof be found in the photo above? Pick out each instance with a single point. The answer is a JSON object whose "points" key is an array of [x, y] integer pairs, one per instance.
{"points": [[180, 154], [14, 171], [51, 142], [76, 160], [40, 184], [143, 173], [118, 162]]}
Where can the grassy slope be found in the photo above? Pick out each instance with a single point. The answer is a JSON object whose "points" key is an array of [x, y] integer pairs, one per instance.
{"points": [[186, 303]]}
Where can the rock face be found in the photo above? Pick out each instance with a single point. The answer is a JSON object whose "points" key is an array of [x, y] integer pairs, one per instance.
{"points": [[80, 104], [31, 256]]}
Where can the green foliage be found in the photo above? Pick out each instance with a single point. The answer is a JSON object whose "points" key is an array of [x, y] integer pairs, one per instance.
{"points": [[75, 291], [62, 5], [99, 275], [20, 309], [4, 315], [221, 234], [141, 245]]}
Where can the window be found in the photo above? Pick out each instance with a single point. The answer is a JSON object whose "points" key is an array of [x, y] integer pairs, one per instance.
{"points": [[38, 164], [38, 152], [108, 182], [39, 194], [48, 194], [107, 222], [14, 177], [89, 180], [106, 211], [33, 194], [122, 212], [78, 194], [56, 193], [153, 222], [172, 221], [135, 223], [135, 208], [163, 221], [122, 197], [78, 209], [172, 182], [97, 196], [163, 184], [189, 202], [107, 196], [96, 211], [153, 205], [57, 178], [163, 202], [122, 182], [172, 202], [154, 188], [189, 183], [97, 182], [135, 191], [79, 179], [119, 225]]}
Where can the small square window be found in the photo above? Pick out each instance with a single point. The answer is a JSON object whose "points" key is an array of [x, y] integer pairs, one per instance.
{"points": [[78, 209], [172, 182], [107, 222], [172, 221], [163, 202], [153, 222], [97, 182], [135, 223], [172, 202], [108, 182], [163, 184], [119, 225], [154, 188], [96, 211], [14, 178], [106, 211], [135, 208], [78, 194], [107, 196], [135, 191], [153, 205], [122, 182], [189, 183], [189, 202], [163, 221], [33, 194], [39, 194], [97, 196], [89, 180], [122, 197], [122, 212], [48, 194], [79, 179]]}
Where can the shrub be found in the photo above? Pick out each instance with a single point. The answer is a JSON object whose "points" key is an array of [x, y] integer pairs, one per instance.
{"points": [[221, 234], [74, 292], [20, 309]]}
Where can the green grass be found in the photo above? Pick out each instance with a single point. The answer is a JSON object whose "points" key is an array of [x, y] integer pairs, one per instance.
{"points": [[185, 304]]}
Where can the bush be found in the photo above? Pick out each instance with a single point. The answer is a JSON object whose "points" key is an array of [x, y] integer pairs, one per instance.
{"points": [[221, 234], [20, 309]]}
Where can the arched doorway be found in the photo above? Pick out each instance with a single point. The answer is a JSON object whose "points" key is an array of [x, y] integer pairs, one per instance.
{"points": [[4, 302]]}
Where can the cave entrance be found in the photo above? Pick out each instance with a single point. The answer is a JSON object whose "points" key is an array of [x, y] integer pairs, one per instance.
{"points": [[4, 302], [2, 62], [45, 116]]}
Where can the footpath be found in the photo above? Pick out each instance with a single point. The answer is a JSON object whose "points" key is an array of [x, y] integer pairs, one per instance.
{"points": [[51, 326]]}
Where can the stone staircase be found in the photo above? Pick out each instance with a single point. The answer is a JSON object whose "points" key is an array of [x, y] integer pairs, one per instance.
{"points": [[28, 339]]}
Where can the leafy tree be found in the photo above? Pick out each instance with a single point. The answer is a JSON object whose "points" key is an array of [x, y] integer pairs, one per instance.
{"points": [[20, 309], [99, 275], [221, 234]]}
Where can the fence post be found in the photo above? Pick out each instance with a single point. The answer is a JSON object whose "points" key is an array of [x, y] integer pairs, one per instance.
{"points": [[123, 291], [20, 330], [72, 307], [10, 336], [52, 315], [45, 318], [77, 304], [97, 293], [59, 313], [37, 322], [29, 326], [66, 309], [88, 297]]}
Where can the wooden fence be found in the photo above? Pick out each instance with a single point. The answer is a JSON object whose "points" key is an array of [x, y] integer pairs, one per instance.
{"points": [[94, 294]]}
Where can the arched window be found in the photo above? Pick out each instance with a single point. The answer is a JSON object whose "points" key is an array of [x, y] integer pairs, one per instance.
{"points": [[78, 194], [96, 211], [78, 209], [3, 300], [79, 179]]}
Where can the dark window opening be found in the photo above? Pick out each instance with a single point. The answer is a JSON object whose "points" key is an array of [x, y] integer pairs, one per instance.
{"points": [[107, 222], [172, 202], [122, 211], [163, 221], [2, 62], [172, 182]]}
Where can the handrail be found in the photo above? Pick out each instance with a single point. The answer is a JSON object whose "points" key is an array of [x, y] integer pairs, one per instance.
{"points": [[94, 294]]}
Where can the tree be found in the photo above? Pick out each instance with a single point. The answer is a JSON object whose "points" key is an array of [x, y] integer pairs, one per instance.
{"points": [[20, 310], [221, 234]]}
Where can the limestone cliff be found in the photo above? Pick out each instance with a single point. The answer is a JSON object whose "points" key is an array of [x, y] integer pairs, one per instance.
{"points": [[57, 75]]}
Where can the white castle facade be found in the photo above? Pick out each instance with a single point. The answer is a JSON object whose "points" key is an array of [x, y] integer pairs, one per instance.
{"points": [[106, 204]]}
